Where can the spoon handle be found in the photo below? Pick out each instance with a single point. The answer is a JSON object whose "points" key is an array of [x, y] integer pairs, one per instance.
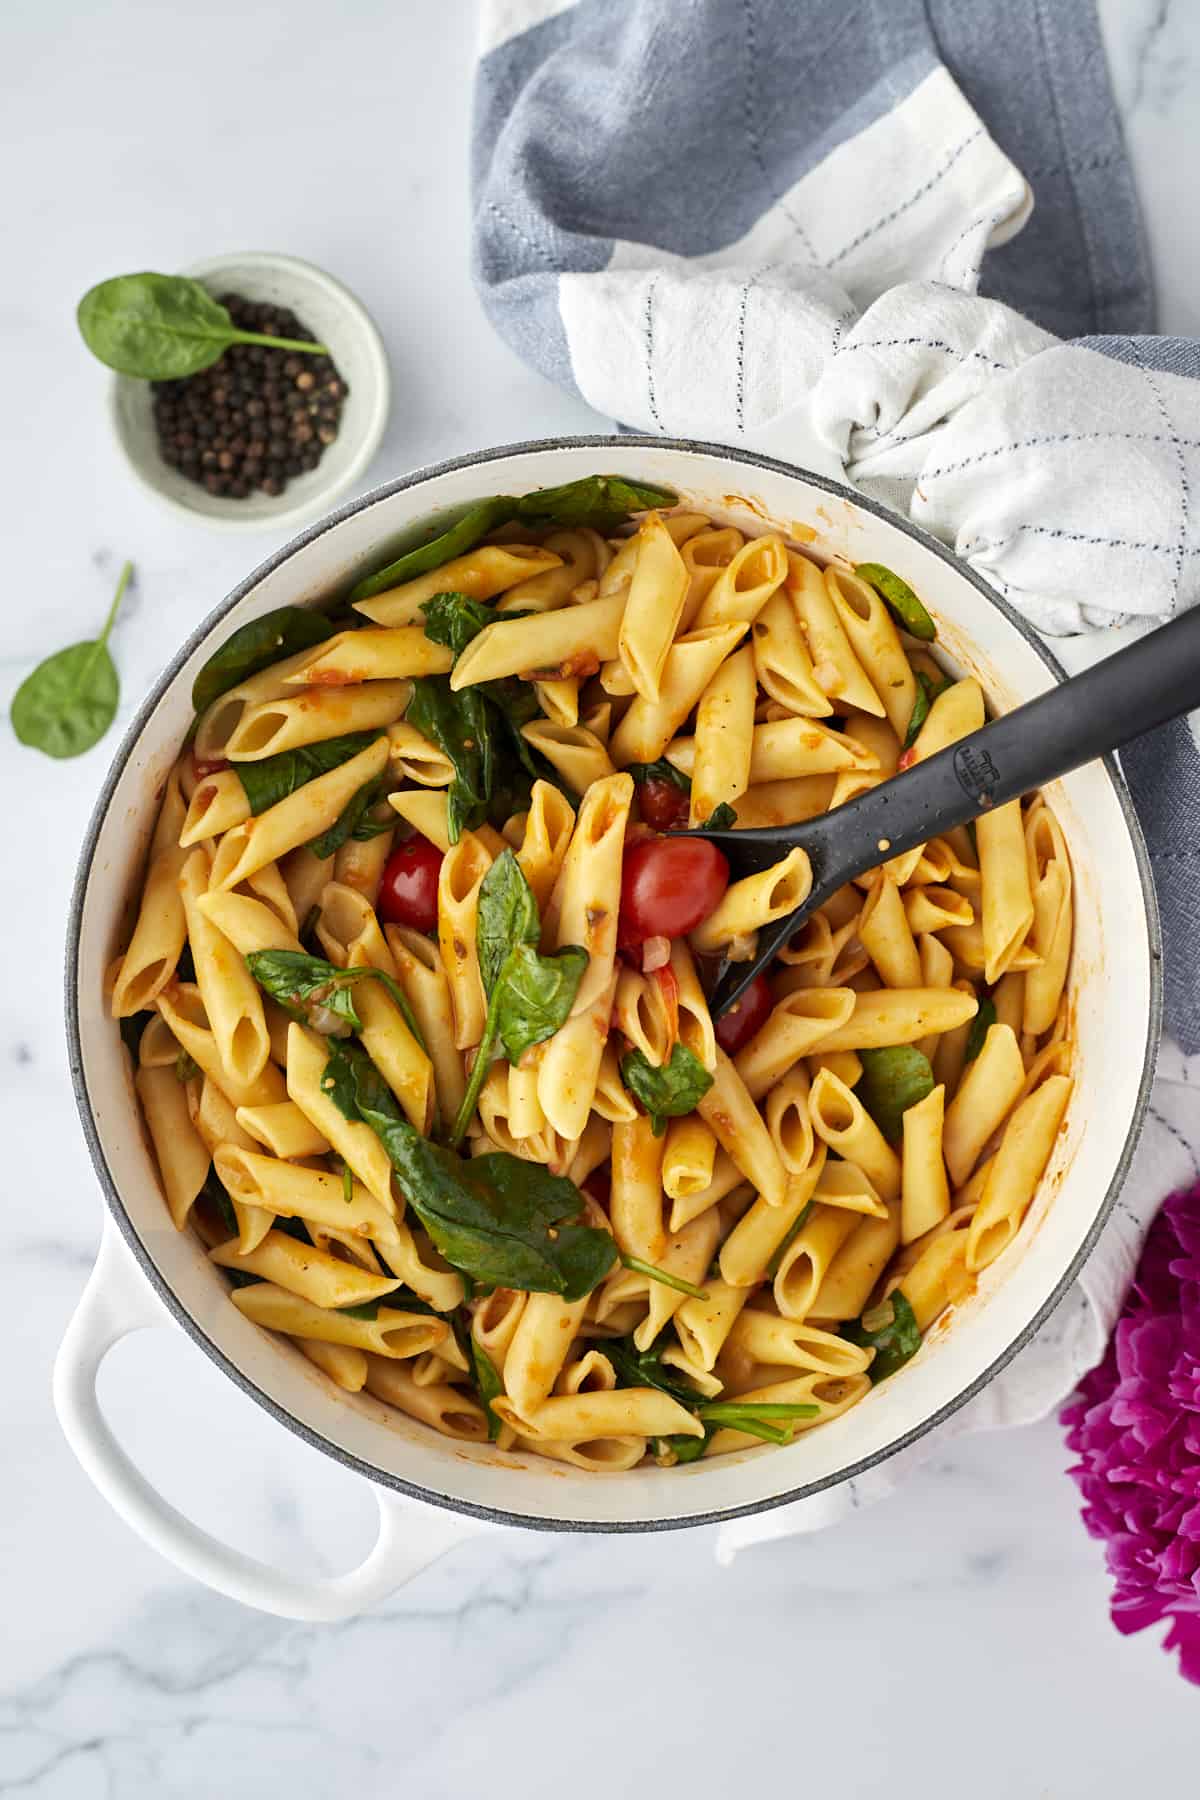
{"points": [[1130, 692]]}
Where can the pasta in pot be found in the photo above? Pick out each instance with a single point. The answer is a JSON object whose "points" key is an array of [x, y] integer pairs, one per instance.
{"points": [[424, 1053]]}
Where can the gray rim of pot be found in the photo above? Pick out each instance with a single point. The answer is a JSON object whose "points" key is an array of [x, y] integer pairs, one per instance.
{"points": [[499, 1515]]}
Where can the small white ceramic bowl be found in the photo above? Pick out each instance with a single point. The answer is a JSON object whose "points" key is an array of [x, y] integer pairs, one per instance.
{"points": [[336, 319]]}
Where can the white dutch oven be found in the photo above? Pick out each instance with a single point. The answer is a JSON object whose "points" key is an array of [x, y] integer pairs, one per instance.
{"points": [[147, 1271]]}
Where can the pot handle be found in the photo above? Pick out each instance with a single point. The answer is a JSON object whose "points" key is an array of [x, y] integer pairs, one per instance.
{"points": [[118, 1300]]}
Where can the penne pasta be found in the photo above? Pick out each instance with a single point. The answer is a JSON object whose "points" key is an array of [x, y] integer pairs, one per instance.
{"points": [[836, 669], [649, 726], [481, 574], [724, 737], [740, 1222], [288, 722], [652, 611]]}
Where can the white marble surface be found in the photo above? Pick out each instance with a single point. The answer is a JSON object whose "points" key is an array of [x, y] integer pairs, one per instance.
{"points": [[966, 1615]]}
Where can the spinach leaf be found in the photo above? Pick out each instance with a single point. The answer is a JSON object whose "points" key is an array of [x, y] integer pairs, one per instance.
{"points": [[469, 529], [534, 995], [662, 770], [460, 726], [508, 916], [240, 1278], [757, 1418], [644, 1368], [599, 501], [899, 599], [453, 619], [284, 632], [273, 778], [353, 821], [686, 1449], [164, 327], [981, 1024], [477, 726], [186, 1068], [720, 818], [892, 1081], [497, 1218], [754, 1418], [670, 1091], [794, 1230], [890, 1329], [663, 1276], [529, 995], [307, 987], [69, 701], [131, 1031], [927, 693], [489, 1384], [215, 1192]]}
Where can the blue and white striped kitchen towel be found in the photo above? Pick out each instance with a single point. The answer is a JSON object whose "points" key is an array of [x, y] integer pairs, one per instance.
{"points": [[895, 241]]}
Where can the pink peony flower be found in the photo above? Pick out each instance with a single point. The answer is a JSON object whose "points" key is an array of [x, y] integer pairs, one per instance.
{"points": [[1135, 1425]]}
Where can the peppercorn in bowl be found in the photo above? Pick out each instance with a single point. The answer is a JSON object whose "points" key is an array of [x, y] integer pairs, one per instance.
{"points": [[265, 436]]}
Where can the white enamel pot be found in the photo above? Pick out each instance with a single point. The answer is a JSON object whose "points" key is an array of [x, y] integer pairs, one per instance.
{"points": [[432, 1491]]}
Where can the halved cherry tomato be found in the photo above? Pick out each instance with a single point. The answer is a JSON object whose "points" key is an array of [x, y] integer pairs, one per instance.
{"points": [[663, 805], [408, 890], [668, 885], [211, 765], [736, 1027]]}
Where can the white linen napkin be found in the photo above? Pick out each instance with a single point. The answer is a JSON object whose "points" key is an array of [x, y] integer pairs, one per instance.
{"points": [[769, 226]]}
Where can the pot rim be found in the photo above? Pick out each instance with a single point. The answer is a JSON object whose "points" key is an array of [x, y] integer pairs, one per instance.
{"points": [[398, 1484]]}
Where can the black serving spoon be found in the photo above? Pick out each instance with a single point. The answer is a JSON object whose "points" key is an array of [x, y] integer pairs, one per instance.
{"points": [[1130, 692]]}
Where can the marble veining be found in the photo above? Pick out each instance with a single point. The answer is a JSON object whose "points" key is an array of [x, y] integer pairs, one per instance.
{"points": [[520, 1664]]}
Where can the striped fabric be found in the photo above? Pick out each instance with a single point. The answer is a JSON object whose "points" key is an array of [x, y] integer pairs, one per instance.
{"points": [[895, 241]]}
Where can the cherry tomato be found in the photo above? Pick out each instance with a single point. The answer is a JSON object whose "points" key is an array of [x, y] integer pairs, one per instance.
{"points": [[408, 890], [663, 805], [736, 1027], [668, 885], [213, 765]]}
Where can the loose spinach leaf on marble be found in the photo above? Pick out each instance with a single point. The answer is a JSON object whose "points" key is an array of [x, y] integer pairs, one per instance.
{"points": [[69, 701], [498, 1219], [890, 1329], [273, 778], [670, 1091], [893, 1080], [165, 327], [253, 647]]}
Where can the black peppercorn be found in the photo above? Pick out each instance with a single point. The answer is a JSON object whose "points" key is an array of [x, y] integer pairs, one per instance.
{"points": [[257, 417]]}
